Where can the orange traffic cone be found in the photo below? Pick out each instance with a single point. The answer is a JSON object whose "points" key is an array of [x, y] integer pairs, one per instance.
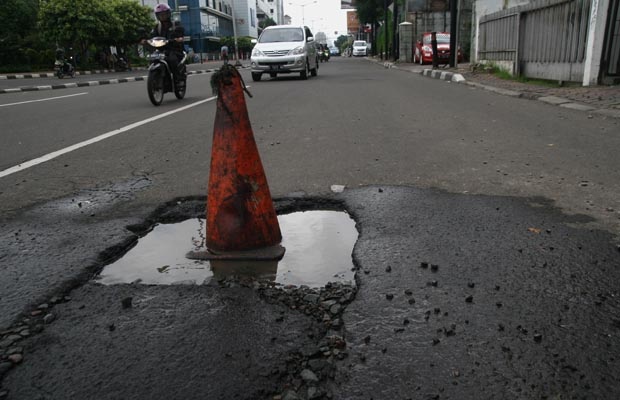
{"points": [[241, 219]]}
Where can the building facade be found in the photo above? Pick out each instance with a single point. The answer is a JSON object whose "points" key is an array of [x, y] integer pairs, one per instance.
{"points": [[206, 21], [273, 9]]}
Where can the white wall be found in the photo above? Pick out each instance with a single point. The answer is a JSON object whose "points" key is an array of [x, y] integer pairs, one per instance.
{"points": [[245, 16]]}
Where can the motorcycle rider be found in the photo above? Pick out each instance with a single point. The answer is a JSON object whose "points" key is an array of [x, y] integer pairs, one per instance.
{"points": [[62, 62], [174, 32]]}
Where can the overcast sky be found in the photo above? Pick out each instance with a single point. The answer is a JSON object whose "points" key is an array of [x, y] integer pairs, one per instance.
{"points": [[320, 15]]}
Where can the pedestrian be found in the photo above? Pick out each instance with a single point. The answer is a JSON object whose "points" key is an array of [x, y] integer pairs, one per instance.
{"points": [[224, 53]]}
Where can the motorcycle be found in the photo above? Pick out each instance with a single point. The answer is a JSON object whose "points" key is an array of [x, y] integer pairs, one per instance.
{"points": [[122, 64], [64, 68], [323, 54], [160, 79]]}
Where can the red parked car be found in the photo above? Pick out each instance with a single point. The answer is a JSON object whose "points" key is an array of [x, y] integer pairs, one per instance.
{"points": [[424, 49]]}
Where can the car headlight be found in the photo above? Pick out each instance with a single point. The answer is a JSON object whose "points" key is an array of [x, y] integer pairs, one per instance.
{"points": [[296, 51], [257, 53]]}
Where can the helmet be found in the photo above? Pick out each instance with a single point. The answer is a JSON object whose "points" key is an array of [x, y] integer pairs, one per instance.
{"points": [[162, 12]]}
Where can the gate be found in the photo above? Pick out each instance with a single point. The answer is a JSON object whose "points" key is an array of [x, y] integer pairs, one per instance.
{"points": [[545, 39], [611, 57]]}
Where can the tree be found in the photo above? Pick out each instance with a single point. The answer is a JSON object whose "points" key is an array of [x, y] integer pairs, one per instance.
{"points": [[83, 23], [374, 12], [20, 44], [342, 42], [267, 22], [370, 11], [17, 17], [132, 16], [244, 43]]}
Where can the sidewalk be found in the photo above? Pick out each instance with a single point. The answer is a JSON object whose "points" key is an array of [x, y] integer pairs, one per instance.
{"points": [[603, 100]]}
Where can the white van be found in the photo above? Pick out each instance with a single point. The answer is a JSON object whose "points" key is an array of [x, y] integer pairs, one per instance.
{"points": [[284, 49]]}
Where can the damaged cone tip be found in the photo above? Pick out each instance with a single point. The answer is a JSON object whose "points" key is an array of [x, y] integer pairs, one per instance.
{"points": [[241, 219]]}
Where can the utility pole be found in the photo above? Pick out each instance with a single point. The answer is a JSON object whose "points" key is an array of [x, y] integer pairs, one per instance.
{"points": [[385, 29], [232, 5], [395, 31], [453, 32]]}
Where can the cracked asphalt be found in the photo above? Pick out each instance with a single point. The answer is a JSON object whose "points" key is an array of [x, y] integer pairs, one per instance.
{"points": [[457, 297]]}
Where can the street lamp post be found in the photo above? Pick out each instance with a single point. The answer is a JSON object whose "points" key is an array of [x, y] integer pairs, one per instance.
{"points": [[303, 19]]}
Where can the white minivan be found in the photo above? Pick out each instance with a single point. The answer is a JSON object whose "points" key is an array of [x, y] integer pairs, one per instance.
{"points": [[360, 48], [284, 49]]}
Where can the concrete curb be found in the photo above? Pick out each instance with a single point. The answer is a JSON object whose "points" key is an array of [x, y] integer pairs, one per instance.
{"points": [[52, 75], [443, 75], [73, 85], [553, 100], [89, 83]]}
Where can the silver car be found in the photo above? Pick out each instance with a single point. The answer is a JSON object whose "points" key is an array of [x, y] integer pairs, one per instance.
{"points": [[284, 49]]}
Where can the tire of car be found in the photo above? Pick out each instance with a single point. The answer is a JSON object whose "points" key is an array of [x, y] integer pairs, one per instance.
{"points": [[256, 76], [314, 71], [420, 59], [304, 74]]}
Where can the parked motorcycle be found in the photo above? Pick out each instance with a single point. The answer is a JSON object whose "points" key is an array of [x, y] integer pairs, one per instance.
{"points": [[64, 68], [160, 79], [122, 64]]}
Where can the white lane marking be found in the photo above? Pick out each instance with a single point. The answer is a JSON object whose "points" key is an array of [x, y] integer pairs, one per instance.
{"points": [[58, 153], [50, 98]]}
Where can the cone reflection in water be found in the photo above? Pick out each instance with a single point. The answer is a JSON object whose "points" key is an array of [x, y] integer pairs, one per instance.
{"points": [[240, 213]]}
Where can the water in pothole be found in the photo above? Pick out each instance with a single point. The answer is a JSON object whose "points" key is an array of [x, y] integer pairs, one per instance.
{"points": [[318, 250]]}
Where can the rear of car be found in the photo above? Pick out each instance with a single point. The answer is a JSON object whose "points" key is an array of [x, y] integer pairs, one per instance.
{"points": [[360, 48], [284, 49]]}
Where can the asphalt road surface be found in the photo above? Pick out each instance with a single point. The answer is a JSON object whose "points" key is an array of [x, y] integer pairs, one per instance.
{"points": [[487, 261]]}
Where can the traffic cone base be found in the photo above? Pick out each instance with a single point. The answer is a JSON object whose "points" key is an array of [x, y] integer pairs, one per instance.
{"points": [[261, 254]]}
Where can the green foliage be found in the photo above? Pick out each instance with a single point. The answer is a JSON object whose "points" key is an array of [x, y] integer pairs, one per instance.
{"points": [[342, 42], [18, 17], [369, 11], [243, 42], [84, 23], [132, 17], [266, 22], [20, 44], [380, 45]]}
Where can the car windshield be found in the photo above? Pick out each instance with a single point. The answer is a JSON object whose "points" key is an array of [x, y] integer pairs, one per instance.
{"points": [[359, 43], [441, 38], [282, 35]]}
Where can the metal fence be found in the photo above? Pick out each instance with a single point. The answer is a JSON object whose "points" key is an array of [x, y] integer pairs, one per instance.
{"points": [[545, 39]]}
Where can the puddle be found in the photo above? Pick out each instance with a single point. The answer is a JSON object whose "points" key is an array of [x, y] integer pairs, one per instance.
{"points": [[318, 250]]}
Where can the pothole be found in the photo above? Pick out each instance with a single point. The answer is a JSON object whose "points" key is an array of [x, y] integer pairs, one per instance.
{"points": [[318, 250]]}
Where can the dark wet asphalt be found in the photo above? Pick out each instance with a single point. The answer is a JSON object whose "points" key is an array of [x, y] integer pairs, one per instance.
{"points": [[459, 297]]}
